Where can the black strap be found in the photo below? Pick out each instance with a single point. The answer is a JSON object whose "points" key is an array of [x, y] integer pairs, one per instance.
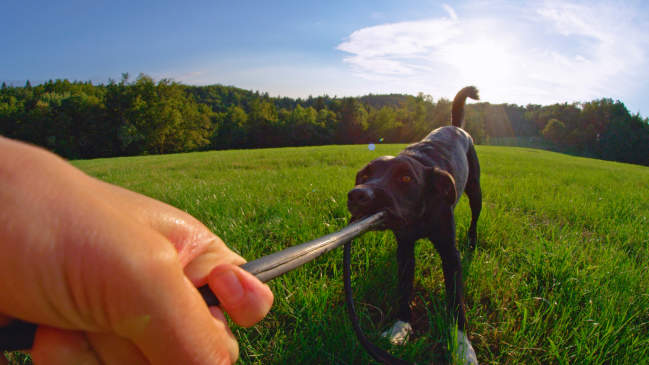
{"points": [[18, 335], [377, 353]]}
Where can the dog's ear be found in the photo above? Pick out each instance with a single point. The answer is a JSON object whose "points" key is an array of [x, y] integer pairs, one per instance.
{"points": [[443, 183]]}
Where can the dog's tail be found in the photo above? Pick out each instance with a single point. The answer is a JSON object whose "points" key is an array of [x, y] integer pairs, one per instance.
{"points": [[457, 112]]}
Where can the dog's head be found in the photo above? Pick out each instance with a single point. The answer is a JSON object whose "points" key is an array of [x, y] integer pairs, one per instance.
{"points": [[402, 187]]}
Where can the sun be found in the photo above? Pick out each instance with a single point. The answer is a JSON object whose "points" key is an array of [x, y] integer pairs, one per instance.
{"points": [[485, 62]]}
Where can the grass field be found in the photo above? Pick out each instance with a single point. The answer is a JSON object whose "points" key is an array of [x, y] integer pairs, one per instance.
{"points": [[560, 274]]}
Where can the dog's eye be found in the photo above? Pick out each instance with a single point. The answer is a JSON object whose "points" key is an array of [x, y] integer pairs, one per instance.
{"points": [[405, 179], [364, 178]]}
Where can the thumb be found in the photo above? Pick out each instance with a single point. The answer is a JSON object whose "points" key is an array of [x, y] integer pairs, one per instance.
{"points": [[246, 299]]}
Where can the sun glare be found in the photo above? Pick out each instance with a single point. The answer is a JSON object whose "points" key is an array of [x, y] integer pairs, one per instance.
{"points": [[484, 62]]}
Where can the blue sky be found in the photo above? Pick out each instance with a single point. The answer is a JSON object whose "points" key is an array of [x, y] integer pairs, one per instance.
{"points": [[515, 51]]}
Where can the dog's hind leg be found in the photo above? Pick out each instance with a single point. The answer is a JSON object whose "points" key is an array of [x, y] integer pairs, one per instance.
{"points": [[474, 192], [444, 241]]}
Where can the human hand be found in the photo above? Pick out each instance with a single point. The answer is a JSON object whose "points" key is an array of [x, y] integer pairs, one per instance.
{"points": [[110, 275]]}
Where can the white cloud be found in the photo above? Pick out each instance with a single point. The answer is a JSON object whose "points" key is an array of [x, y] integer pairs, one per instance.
{"points": [[540, 52], [451, 12]]}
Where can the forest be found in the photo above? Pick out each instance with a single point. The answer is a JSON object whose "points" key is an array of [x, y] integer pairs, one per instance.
{"points": [[81, 120]]}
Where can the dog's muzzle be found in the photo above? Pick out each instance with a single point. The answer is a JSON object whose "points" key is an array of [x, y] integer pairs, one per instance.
{"points": [[361, 197], [364, 200]]}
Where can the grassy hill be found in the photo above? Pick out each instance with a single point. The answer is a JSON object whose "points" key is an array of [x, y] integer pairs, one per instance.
{"points": [[559, 276]]}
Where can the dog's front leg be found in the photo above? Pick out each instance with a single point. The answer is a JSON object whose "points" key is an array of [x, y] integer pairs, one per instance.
{"points": [[406, 262], [444, 241], [400, 331]]}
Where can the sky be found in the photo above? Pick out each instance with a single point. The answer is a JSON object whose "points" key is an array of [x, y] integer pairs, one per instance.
{"points": [[519, 52]]}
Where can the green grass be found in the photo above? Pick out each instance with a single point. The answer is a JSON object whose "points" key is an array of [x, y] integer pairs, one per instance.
{"points": [[559, 276]]}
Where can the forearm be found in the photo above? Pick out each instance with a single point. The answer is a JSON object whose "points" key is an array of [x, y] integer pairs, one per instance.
{"points": [[32, 198], [22, 164]]}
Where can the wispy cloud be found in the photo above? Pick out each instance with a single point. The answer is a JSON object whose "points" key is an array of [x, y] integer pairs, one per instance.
{"points": [[544, 52], [451, 12]]}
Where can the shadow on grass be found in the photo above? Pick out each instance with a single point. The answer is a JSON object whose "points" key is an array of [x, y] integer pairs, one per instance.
{"points": [[328, 337], [467, 260]]}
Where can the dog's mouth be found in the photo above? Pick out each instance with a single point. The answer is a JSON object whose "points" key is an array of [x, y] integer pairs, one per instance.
{"points": [[397, 213], [364, 201], [391, 221]]}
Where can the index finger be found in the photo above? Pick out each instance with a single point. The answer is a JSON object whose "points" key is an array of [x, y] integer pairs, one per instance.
{"points": [[191, 238]]}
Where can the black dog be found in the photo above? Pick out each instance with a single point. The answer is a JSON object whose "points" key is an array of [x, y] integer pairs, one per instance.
{"points": [[419, 189]]}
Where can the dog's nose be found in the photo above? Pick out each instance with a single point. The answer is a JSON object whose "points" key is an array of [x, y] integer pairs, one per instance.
{"points": [[360, 196]]}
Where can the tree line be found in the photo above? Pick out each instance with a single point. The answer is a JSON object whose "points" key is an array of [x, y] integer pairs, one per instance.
{"points": [[141, 116]]}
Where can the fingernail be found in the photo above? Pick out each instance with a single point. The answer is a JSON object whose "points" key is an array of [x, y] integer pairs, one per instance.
{"points": [[227, 287]]}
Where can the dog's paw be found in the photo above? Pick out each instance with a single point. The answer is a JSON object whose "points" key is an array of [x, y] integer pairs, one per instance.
{"points": [[399, 333], [464, 353]]}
